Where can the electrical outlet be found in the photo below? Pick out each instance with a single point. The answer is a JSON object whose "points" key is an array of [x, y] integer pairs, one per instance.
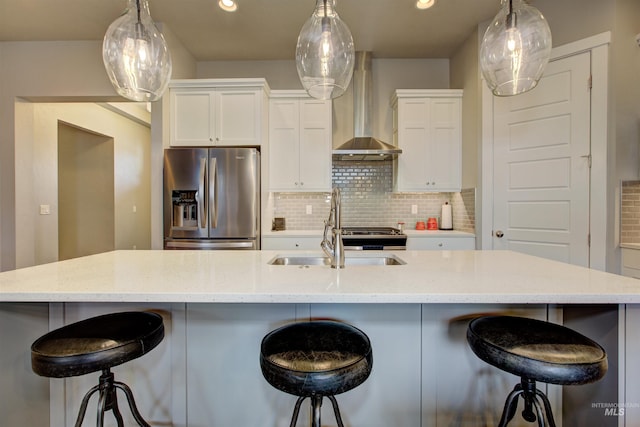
{"points": [[309, 210], [45, 210], [135, 209], [414, 209]]}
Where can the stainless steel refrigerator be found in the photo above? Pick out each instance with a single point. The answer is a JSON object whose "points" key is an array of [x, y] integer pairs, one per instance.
{"points": [[212, 198]]}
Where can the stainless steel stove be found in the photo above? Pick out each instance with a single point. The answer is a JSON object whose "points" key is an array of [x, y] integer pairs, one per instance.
{"points": [[373, 238]]}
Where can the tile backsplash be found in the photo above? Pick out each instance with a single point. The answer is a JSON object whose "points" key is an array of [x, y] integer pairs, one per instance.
{"points": [[368, 200], [630, 212]]}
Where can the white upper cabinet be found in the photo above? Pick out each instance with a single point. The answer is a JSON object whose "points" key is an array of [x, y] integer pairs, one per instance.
{"points": [[218, 112], [300, 132], [427, 126]]}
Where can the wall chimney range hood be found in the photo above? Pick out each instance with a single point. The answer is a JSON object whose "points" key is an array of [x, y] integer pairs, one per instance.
{"points": [[363, 147]]}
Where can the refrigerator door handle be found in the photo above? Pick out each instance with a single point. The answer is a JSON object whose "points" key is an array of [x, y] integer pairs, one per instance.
{"points": [[213, 195], [202, 214], [210, 245]]}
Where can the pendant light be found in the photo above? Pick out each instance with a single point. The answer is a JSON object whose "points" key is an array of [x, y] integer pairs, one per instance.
{"points": [[515, 49], [135, 54], [325, 54]]}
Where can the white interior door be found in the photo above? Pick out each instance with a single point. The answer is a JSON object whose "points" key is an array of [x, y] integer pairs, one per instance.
{"points": [[541, 165]]}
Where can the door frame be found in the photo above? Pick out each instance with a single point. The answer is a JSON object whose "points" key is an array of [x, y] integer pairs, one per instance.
{"points": [[598, 45]]}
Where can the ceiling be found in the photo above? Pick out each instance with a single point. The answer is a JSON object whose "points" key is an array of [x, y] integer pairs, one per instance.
{"points": [[259, 29]]}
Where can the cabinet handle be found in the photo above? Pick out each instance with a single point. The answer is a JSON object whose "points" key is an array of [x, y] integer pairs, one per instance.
{"points": [[295, 183], [440, 244], [211, 139], [302, 183]]}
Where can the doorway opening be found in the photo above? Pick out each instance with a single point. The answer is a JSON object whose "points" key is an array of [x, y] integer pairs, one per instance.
{"points": [[86, 194]]}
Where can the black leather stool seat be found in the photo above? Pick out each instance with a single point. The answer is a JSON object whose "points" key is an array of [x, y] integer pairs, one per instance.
{"points": [[538, 350], [315, 359], [97, 343], [535, 351]]}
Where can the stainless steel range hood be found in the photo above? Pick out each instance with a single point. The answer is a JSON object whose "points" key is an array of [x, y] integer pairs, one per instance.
{"points": [[363, 147]]}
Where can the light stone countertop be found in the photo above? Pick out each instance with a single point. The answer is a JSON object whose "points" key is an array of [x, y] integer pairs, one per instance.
{"points": [[408, 232], [635, 246], [293, 233], [437, 233], [246, 276]]}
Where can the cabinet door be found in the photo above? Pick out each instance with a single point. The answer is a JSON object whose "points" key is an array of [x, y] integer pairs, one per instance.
{"points": [[224, 384], [299, 145], [444, 160], [192, 113], [283, 145], [458, 388], [413, 136], [429, 133], [238, 117], [315, 145], [391, 395]]}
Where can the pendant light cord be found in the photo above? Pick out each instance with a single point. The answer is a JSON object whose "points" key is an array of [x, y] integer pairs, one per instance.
{"points": [[138, 6], [511, 17], [326, 25]]}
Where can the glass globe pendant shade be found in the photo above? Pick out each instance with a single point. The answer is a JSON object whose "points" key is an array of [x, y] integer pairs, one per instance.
{"points": [[135, 55], [515, 49], [325, 53]]}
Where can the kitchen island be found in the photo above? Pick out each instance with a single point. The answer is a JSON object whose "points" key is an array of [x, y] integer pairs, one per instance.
{"points": [[219, 304]]}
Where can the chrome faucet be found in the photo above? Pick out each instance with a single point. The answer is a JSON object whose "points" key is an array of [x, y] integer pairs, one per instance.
{"points": [[332, 245]]}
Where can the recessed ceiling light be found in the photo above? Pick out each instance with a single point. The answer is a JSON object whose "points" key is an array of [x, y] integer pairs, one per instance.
{"points": [[425, 4], [228, 5]]}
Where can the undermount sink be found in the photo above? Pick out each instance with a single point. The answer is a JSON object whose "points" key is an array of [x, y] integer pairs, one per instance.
{"points": [[348, 260]]}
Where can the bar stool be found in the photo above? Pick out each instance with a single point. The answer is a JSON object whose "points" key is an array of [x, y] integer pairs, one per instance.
{"points": [[98, 344], [316, 359], [535, 351]]}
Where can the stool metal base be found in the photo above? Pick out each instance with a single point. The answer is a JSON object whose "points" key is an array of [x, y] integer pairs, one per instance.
{"points": [[316, 405], [108, 401], [528, 391]]}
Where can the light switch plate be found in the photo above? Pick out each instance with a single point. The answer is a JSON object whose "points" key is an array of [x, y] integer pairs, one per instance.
{"points": [[309, 210], [45, 210]]}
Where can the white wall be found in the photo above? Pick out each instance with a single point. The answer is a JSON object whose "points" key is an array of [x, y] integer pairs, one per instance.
{"points": [[56, 71], [625, 118], [36, 153], [465, 74]]}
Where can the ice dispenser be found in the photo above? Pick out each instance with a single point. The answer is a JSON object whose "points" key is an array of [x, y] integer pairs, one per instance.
{"points": [[185, 209]]}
